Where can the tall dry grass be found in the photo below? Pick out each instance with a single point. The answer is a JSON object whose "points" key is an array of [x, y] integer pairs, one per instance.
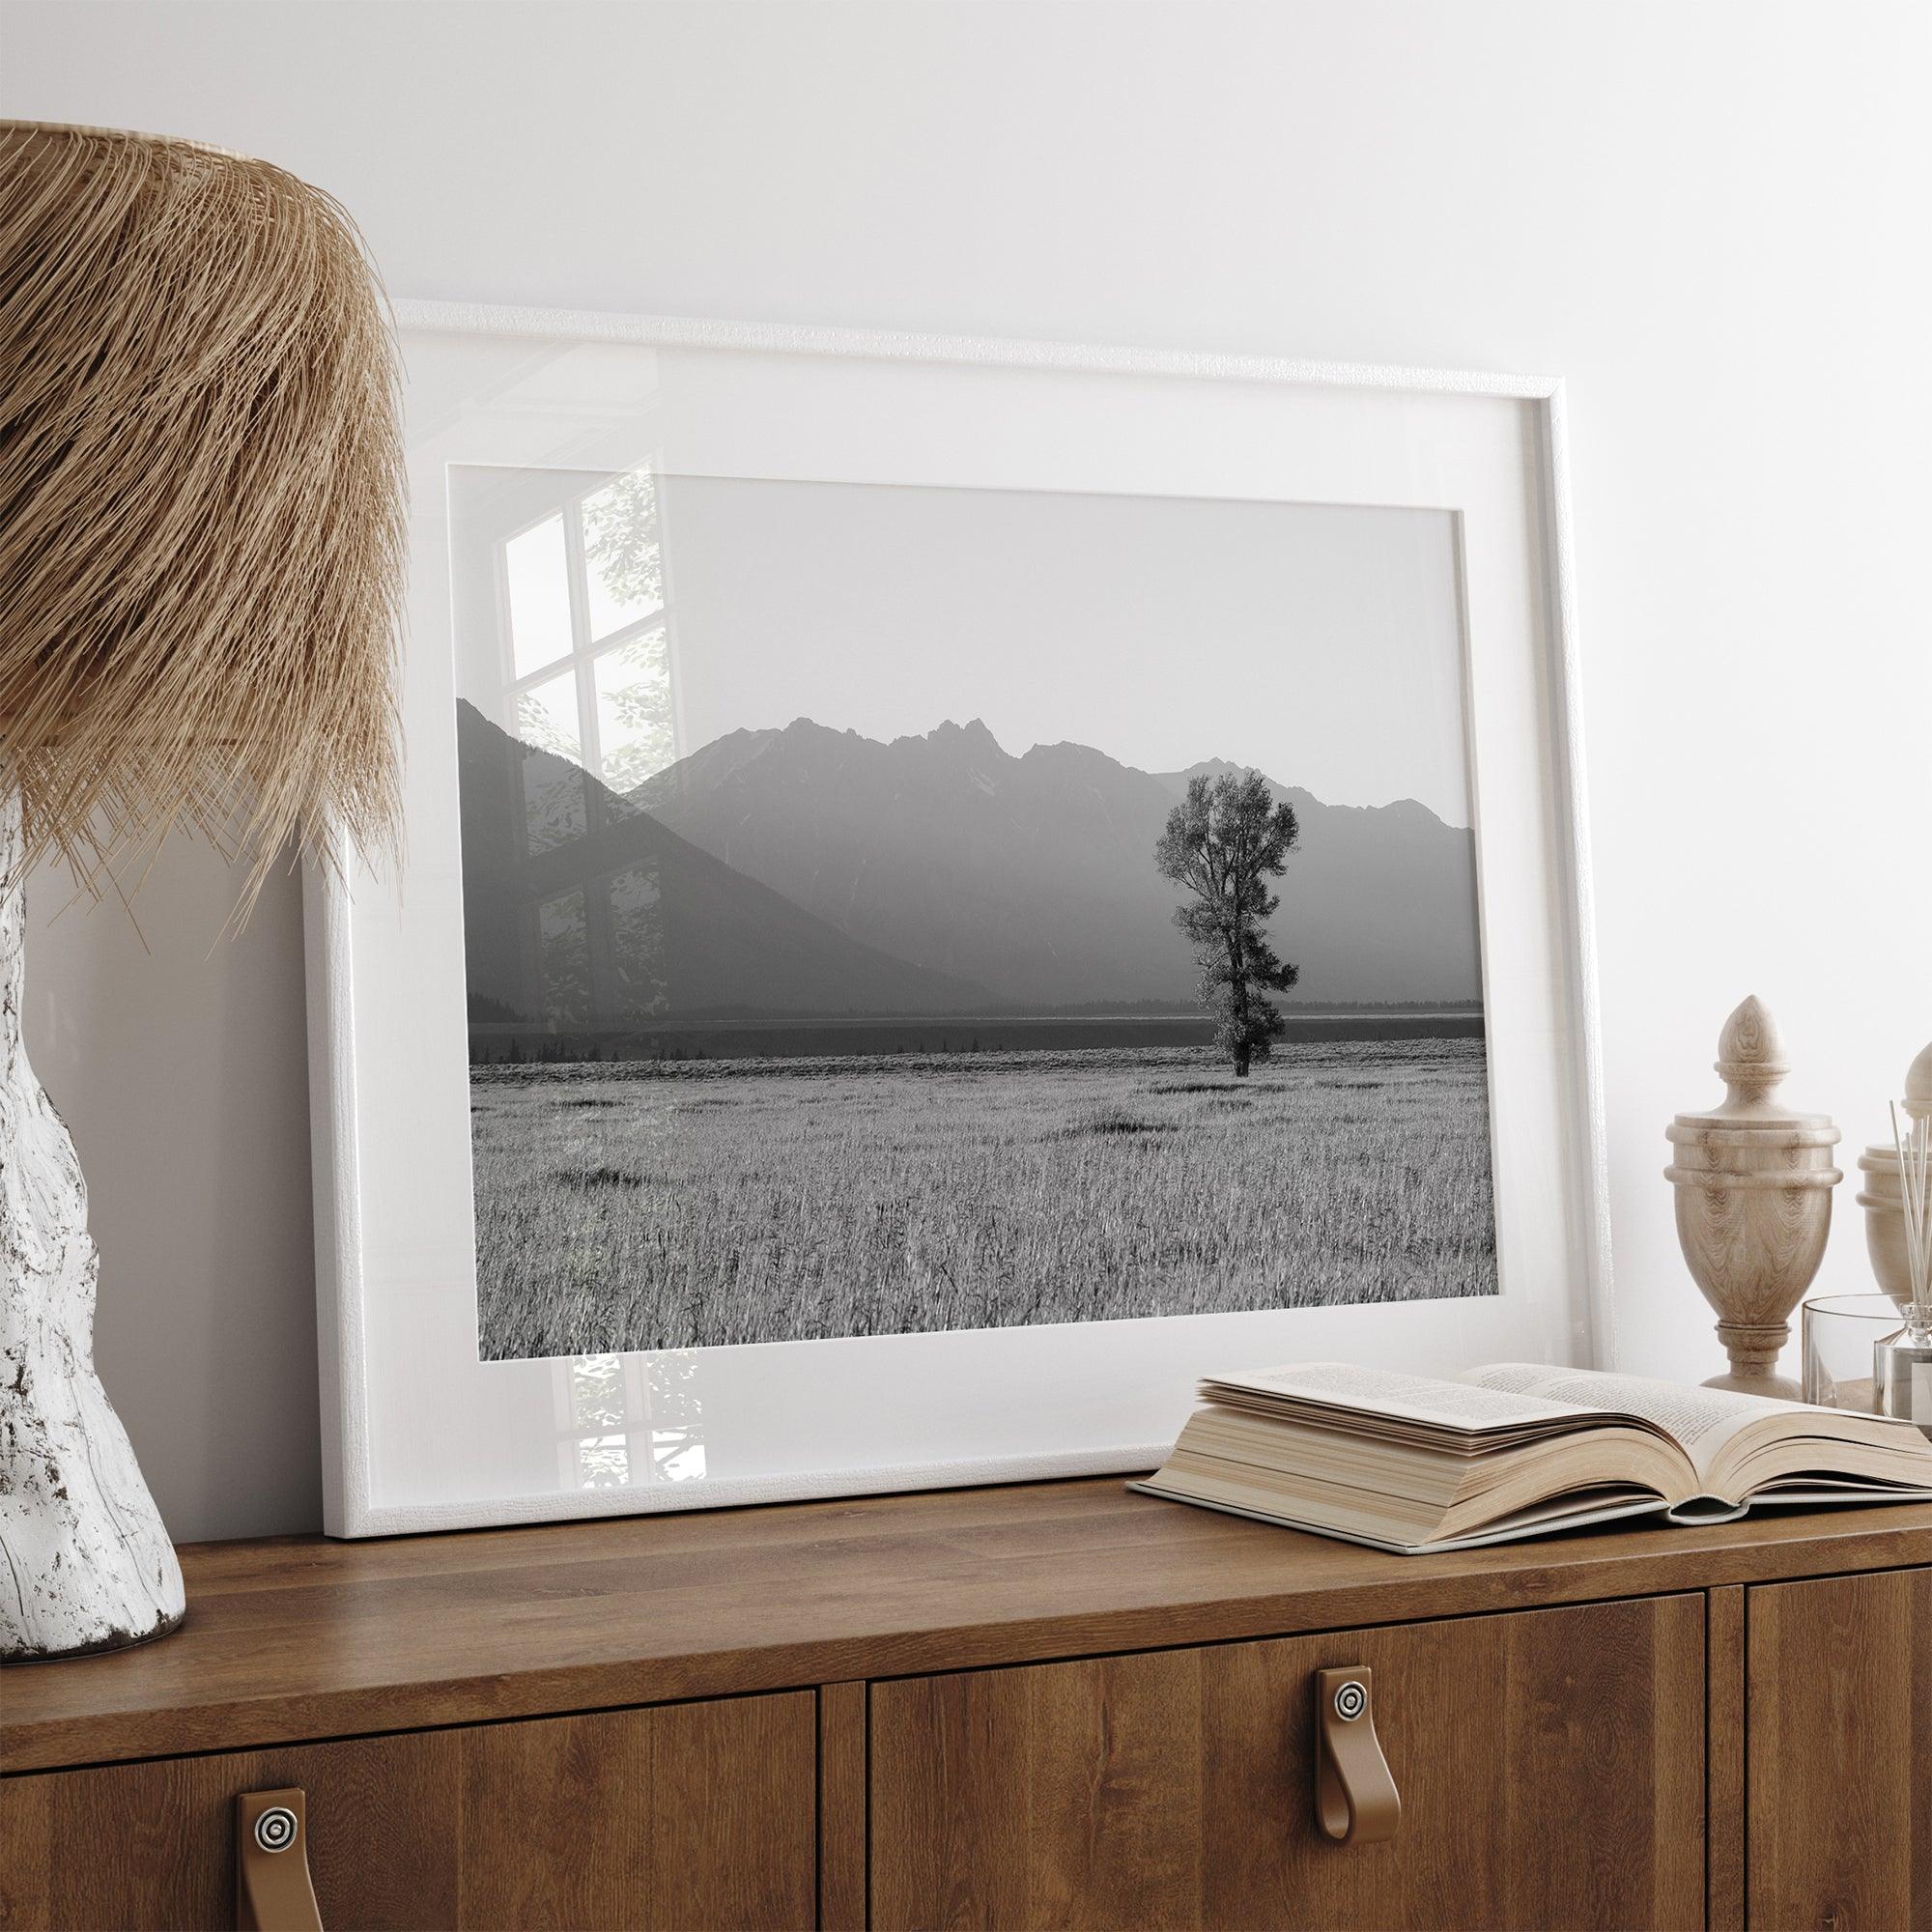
{"points": [[624, 1208]]}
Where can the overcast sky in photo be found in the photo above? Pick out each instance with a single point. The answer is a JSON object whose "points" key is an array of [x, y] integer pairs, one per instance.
{"points": [[1320, 644]]}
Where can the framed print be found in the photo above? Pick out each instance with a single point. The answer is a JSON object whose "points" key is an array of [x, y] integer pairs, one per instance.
{"points": [[952, 888]]}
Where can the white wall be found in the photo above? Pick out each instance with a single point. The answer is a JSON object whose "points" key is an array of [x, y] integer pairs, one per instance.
{"points": [[1709, 217]]}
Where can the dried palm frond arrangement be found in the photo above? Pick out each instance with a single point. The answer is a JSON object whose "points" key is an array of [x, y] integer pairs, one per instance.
{"points": [[201, 559], [201, 523]]}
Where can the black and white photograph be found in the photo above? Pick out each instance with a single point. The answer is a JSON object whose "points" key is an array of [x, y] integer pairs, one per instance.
{"points": [[893, 908]]}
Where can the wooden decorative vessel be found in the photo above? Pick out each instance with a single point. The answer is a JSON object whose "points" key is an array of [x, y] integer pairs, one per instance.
{"points": [[1882, 1197], [1753, 1182]]}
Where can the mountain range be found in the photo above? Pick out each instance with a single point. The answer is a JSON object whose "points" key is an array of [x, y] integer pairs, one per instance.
{"points": [[1035, 875], [721, 941], [807, 869]]}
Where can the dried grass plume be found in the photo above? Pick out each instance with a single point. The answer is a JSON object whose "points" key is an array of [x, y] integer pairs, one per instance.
{"points": [[201, 505]]}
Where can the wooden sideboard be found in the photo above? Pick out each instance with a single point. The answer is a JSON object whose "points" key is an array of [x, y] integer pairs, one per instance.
{"points": [[1050, 1705]]}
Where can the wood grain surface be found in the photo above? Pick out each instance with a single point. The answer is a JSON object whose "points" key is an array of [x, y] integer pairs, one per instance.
{"points": [[842, 1806], [1725, 1614], [1551, 1767], [304, 1638], [1840, 1735], [687, 1816]]}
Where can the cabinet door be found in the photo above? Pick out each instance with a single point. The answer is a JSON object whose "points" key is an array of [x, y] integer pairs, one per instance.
{"points": [[1550, 1765], [682, 1815], [1838, 1735]]}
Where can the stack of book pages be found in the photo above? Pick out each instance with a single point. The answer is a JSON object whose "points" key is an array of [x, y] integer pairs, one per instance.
{"points": [[1413, 1463]]}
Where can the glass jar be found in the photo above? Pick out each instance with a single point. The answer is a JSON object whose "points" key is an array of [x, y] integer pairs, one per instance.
{"points": [[1839, 1333]]}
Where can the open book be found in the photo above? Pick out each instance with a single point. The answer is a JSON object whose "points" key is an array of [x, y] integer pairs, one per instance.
{"points": [[1410, 1463]]}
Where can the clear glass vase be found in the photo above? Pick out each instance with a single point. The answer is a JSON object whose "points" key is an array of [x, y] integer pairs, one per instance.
{"points": [[1839, 1334], [1902, 1369]]}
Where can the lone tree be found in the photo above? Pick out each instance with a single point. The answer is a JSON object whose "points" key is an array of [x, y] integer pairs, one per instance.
{"points": [[1224, 842]]}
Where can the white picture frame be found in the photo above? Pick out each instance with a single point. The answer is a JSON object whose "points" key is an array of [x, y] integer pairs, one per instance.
{"points": [[419, 1434]]}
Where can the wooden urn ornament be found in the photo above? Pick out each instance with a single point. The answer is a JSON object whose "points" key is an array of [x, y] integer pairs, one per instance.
{"points": [[1753, 1183], [1884, 1195]]}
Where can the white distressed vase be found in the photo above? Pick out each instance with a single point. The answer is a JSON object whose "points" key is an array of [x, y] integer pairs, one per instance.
{"points": [[85, 1562]]}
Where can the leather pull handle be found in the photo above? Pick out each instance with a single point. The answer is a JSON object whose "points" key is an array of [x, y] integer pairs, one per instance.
{"points": [[1355, 1799], [273, 1893]]}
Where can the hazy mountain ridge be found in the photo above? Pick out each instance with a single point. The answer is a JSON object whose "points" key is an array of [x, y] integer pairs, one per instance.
{"points": [[726, 941], [1034, 876]]}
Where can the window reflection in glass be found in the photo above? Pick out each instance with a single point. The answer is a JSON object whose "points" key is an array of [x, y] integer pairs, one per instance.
{"points": [[547, 717], [631, 1419], [677, 1412], [554, 810], [596, 1443], [537, 572], [597, 1391], [636, 944], [603, 1461], [585, 649], [563, 946], [623, 559], [634, 711]]}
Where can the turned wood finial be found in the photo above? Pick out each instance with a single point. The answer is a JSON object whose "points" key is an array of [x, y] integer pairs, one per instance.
{"points": [[1918, 1085], [1754, 1184], [1750, 1058]]}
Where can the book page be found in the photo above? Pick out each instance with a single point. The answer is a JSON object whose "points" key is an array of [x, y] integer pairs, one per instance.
{"points": [[1444, 1405], [1701, 1420]]}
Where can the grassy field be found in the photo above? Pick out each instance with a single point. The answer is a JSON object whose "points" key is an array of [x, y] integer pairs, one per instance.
{"points": [[630, 1206]]}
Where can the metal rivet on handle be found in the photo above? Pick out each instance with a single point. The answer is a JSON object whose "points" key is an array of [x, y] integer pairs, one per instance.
{"points": [[1351, 1701], [276, 1829]]}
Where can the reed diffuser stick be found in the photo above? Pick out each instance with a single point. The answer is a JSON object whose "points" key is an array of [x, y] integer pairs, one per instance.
{"points": [[1914, 1141]]}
